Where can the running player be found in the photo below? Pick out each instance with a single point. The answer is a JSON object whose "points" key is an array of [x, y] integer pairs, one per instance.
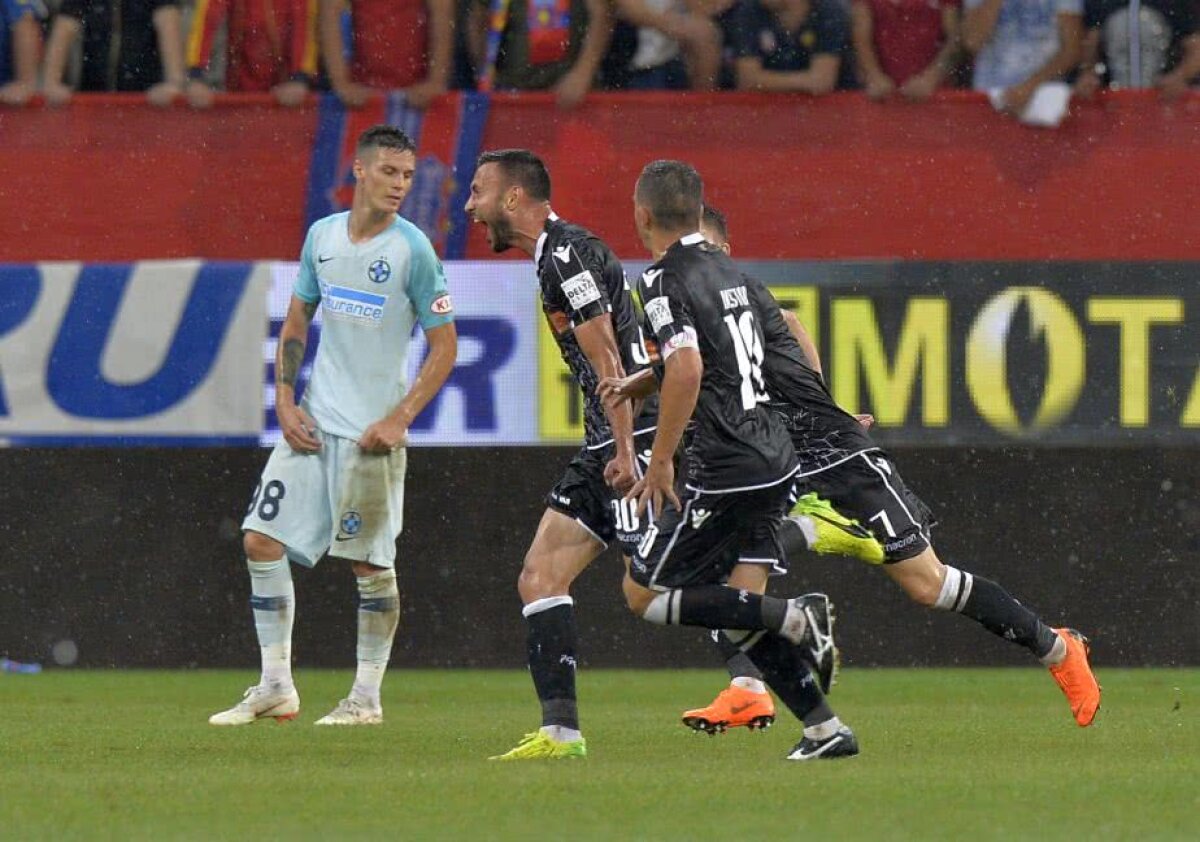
{"points": [[337, 479], [705, 560], [841, 463], [585, 298]]}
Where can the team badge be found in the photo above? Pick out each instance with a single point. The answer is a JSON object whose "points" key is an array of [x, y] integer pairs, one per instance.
{"points": [[379, 271], [351, 523]]}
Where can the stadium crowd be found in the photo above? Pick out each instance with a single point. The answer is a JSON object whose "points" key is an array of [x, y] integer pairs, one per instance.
{"points": [[887, 48]]}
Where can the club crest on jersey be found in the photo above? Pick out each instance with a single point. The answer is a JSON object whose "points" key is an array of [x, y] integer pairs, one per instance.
{"points": [[350, 524], [379, 271], [442, 305]]}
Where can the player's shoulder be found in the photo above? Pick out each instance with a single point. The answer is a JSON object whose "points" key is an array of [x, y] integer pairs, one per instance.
{"points": [[417, 239], [328, 225]]}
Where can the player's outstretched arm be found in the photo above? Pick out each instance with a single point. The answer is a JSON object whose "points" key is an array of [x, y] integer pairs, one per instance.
{"points": [[631, 387], [392, 431], [796, 328], [599, 344], [299, 429]]}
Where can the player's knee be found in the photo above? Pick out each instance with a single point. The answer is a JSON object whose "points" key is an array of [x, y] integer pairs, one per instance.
{"points": [[636, 597], [537, 580], [259, 547]]}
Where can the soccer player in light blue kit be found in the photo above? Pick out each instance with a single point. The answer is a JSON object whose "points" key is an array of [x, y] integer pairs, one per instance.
{"points": [[337, 479]]}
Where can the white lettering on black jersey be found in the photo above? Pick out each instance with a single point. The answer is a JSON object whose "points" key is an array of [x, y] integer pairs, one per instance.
{"points": [[695, 296]]}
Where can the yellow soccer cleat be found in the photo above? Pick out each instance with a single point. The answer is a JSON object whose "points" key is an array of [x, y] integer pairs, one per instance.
{"points": [[537, 746], [836, 533]]}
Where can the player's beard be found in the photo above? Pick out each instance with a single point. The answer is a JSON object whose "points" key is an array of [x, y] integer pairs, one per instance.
{"points": [[502, 234]]}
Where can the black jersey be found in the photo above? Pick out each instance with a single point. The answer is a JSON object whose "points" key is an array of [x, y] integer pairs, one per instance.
{"points": [[695, 296], [822, 432], [581, 279]]}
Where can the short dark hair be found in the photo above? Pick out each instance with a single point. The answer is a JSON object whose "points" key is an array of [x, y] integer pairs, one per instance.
{"points": [[673, 193], [384, 137], [714, 219], [522, 168]]}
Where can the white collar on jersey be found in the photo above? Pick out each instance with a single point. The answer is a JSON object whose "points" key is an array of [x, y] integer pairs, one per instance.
{"points": [[692, 239], [541, 241]]}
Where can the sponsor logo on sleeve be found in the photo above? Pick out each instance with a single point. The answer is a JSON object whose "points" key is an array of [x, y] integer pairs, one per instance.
{"points": [[658, 311], [442, 305], [581, 289]]}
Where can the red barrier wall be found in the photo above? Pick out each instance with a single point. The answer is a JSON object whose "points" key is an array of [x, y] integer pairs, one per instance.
{"points": [[113, 179]]}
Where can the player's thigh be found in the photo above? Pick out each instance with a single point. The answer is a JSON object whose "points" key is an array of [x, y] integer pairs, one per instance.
{"points": [[868, 487], [561, 549], [290, 505], [366, 493]]}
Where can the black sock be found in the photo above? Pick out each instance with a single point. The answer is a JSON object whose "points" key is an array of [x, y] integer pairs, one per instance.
{"points": [[997, 611], [551, 648], [718, 607], [786, 672], [736, 661], [791, 538]]}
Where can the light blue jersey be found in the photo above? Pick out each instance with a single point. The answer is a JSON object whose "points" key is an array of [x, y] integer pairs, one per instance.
{"points": [[371, 295], [1025, 38]]}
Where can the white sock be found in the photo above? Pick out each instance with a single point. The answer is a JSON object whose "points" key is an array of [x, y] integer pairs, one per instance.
{"points": [[273, 599], [807, 527], [1057, 653], [823, 731], [561, 734], [754, 685], [378, 617]]}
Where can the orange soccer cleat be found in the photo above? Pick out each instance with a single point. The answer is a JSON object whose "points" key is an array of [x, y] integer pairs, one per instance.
{"points": [[733, 707], [1075, 678]]}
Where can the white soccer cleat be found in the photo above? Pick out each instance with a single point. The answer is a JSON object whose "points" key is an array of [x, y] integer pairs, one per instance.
{"points": [[353, 711], [261, 702]]}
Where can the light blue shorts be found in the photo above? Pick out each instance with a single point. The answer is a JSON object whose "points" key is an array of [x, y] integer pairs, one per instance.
{"points": [[339, 500]]}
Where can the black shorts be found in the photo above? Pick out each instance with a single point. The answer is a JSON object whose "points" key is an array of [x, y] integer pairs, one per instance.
{"points": [[701, 544], [583, 495], [868, 488]]}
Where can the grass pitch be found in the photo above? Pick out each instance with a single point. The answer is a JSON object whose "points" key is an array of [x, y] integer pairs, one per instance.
{"points": [[947, 754]]}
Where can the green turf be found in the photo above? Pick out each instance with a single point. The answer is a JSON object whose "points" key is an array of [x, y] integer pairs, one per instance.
{"points": [[947, 754]]}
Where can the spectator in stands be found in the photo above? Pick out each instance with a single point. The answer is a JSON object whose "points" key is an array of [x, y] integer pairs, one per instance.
{"points": [[270, 46], [20, 49], [671, 46], [394, 44], [789, 45], [1021, 44], [1167, 44], [136, 45], [907, 45], [536, 45]]}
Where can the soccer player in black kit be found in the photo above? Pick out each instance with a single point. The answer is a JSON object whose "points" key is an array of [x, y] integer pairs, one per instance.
{"points": [[737, 464], [586, 302], [842, 464]]}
